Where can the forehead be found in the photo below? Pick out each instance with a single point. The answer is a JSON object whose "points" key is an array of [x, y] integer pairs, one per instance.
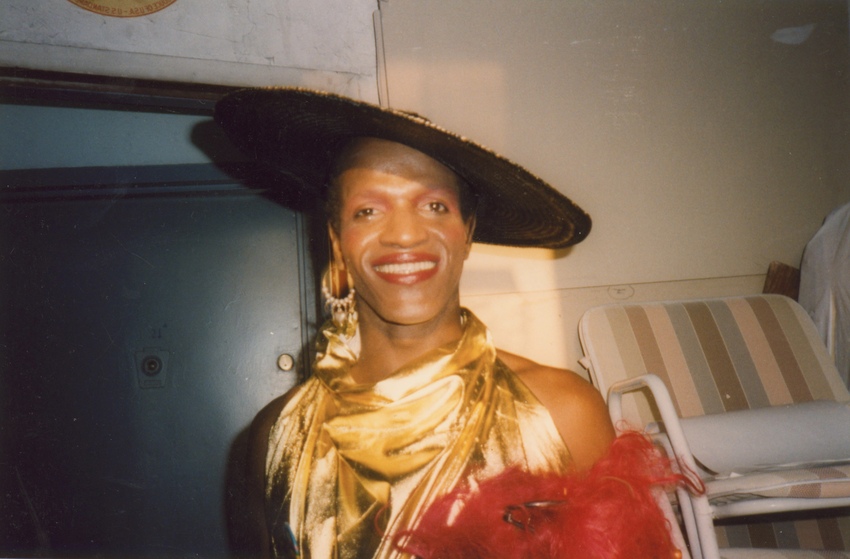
{"points": [[376, 156]]}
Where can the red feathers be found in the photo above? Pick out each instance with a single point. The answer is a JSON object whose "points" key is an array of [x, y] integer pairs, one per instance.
{"points": [[607, 513]]}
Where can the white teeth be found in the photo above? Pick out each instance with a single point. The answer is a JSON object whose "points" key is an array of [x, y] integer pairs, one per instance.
{"points": [[404, 268]]}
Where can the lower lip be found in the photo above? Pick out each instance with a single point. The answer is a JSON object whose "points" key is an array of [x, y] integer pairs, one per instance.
{"points": [[407, 279]]}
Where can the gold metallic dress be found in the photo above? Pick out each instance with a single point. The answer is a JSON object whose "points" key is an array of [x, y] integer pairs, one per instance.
{"points": [[351, 464]]}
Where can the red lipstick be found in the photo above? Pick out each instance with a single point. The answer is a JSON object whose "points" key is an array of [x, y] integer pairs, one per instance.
{"points": [[405, 268]]}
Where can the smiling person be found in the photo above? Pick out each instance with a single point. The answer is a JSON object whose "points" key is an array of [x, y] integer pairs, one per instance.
{"points": [[409, 398]]}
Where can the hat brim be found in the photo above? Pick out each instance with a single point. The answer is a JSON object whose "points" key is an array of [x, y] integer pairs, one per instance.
{"points": [[301, 131]]}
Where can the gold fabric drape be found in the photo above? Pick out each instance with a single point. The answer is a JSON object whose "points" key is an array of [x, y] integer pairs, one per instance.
{"points": [[349, 464]]}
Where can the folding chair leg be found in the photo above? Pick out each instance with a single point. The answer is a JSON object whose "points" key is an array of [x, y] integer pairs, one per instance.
{"points": [[689, 520], [705, 526], [675, 533]]}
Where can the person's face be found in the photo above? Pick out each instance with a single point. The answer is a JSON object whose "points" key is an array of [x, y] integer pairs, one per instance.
{"points": [[400, 234]]}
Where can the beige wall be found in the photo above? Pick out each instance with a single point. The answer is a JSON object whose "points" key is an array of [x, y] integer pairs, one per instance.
{"points": [[706, 139]]}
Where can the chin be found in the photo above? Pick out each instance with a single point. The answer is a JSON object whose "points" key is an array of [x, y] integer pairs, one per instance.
{"points": [[410, 319], [412, 315]]}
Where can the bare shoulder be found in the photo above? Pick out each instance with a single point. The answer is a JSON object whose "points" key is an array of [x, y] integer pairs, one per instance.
{"points": [[577, 408], [567, 383]]}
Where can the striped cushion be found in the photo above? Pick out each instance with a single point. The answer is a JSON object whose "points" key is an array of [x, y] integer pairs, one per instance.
{"points": [[714, 355], [807, 483], [781, 554], [823, 533], [722, 355]]}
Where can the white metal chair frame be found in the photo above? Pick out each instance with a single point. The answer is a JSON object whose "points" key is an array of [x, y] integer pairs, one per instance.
{"points": [[698, 514]]}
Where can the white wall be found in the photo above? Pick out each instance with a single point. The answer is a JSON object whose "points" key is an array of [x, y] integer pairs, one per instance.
{"points": [[325, 44], [706, 139]]}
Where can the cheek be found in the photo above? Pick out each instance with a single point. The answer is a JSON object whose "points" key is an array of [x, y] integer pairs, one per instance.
{"points": [[457, 239], [352, 247]]}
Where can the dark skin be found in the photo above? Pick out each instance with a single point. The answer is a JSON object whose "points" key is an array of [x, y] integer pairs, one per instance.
{"points": [[402, 239]]}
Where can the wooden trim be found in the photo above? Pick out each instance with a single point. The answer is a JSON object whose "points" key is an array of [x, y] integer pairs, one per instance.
{"points": [[20, 85], [21, 185]]}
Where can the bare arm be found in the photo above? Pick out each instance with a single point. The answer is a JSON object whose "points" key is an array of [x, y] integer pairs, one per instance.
{"points": [[577, 408]]}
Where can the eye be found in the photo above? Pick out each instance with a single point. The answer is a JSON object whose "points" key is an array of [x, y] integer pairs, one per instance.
{"points": [[364, 213], [438, 207]]}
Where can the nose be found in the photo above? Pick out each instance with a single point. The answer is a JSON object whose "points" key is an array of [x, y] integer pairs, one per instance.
{"points": [[403, 228]]}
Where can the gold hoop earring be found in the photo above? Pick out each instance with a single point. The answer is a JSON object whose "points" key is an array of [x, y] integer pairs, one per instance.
{"points": [[342, 309]]}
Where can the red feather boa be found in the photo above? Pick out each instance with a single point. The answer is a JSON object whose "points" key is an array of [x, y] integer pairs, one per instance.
{"points": [[607, 513]]}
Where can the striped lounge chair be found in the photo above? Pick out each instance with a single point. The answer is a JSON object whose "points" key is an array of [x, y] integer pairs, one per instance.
{"points": [[743, 392]]}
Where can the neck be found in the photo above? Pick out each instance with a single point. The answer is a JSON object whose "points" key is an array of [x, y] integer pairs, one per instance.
{"points": [[386, 347]]}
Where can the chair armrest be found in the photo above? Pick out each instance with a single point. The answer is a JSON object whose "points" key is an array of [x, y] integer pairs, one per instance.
{"points": [[696, 510], [661, 396]]}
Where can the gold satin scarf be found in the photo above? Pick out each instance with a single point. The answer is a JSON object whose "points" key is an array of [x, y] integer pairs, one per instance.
{"points": [[349, 463]]}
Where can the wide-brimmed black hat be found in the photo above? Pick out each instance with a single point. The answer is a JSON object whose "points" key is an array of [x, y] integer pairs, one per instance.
{"points": [[300, 131]]}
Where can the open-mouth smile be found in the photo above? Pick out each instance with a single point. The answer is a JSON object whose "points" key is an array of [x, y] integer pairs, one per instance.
{"points": [[405, 268]]}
